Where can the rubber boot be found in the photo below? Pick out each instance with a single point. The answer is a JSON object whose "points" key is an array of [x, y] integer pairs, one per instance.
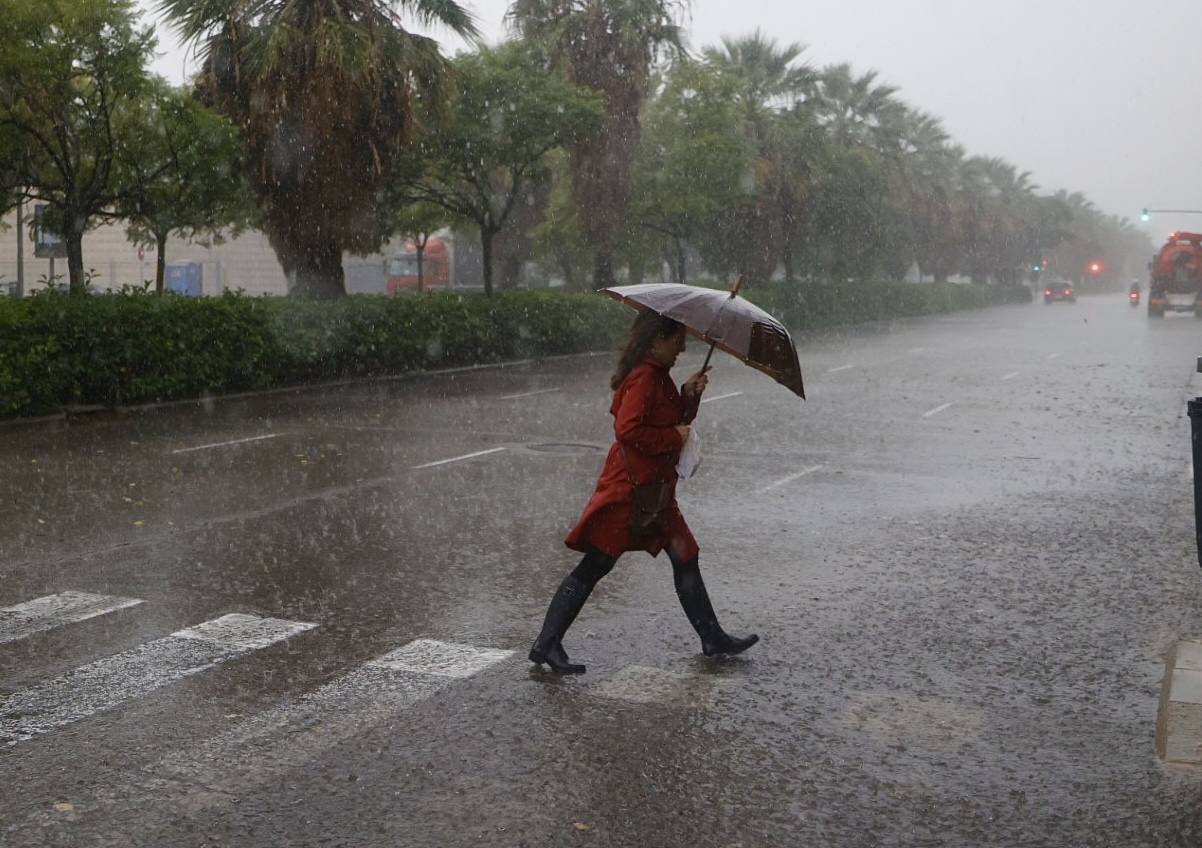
{"points": [[696, 603], [567, 602]]}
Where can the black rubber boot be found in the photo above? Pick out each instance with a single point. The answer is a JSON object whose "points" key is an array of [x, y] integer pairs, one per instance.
{"points": [[567, 602], [690, 588]]}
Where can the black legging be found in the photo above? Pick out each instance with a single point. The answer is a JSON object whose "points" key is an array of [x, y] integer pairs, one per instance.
{"points": [[596, 564]]}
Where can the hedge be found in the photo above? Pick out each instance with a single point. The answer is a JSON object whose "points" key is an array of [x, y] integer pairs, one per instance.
{"points": [[59, 351]]}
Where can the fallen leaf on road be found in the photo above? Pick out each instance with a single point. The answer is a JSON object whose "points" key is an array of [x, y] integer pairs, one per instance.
{"points": [[581, 826], [138, 523], [64, 807]]}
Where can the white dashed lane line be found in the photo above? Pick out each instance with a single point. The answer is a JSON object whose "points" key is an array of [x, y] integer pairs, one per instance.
{"points": [[840, 368], [457, 458], [229, 443], [721, 397], [527, 394], [1053, 355], [1010, 376], [785, 480], [931, 413]]}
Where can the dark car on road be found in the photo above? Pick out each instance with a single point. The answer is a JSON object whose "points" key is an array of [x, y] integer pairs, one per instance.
{"points": [[1059, 291]]}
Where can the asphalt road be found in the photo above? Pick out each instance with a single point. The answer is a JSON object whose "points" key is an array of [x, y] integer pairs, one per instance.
{"points": [[301, 619]]}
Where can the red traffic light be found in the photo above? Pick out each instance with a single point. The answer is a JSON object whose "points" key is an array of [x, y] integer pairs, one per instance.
{"points": [[1095, 267]]}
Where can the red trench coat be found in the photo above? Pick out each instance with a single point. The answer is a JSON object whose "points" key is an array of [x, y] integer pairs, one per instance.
{"points": [[646, 409]]}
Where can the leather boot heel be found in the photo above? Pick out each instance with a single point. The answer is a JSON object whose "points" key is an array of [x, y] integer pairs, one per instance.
{"points": [[727, 644], [562, 611], [556, 658]]}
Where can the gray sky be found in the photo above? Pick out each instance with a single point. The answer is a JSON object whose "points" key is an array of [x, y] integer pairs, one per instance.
{"points": [[1098, 96]]}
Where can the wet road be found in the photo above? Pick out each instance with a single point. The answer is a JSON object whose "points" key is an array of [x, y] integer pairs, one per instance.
{"points": [[301, 618]]}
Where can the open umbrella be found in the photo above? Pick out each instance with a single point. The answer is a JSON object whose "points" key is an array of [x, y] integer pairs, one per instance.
{"points": [[723, 320]]}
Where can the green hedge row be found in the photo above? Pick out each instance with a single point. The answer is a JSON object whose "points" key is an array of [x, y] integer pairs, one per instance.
{"points": [[58, 351]]}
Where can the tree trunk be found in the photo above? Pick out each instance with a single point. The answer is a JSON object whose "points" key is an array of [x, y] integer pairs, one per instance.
{"points": [[73, 238], [787, 259], [317, 272], [681, 259], [486, 237], [421, 251], [160, 261], [603, 271]]}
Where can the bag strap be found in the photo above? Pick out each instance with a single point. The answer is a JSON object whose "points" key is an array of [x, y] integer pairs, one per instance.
{"points": [[626, 462]]}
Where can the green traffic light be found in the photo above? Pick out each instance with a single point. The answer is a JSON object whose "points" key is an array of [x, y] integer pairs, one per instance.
{"points": [[1144, 216]]}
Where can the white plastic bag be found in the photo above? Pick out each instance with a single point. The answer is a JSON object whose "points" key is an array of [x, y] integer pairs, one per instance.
{"points": [[690, 456]]}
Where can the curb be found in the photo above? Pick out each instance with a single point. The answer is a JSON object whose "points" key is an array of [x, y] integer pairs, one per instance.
{"points": [[1179, 717], [99, 409]]}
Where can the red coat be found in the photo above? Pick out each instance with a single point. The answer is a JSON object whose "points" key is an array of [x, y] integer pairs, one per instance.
{"points": [[646, 409]]}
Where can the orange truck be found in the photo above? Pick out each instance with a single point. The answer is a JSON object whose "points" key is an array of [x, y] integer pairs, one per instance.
{"points": [[1176, 283]]}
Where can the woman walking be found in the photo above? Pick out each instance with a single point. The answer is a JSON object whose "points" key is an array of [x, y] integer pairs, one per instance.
{"points": [[634, 505]]}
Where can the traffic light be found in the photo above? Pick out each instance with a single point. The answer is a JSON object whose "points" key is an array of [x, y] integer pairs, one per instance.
{"points": [[1095, 267], [1144, 216]]}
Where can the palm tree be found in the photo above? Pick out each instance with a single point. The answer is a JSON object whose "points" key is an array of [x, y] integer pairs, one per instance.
{"points": [[856, 109], [769, 81], [770, 89], [328, 95], [609, 46]]}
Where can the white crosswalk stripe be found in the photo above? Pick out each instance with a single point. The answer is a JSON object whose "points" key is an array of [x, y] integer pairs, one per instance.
{"points": [[638, 684], [108, 682], [53, 611], [292, 734]]}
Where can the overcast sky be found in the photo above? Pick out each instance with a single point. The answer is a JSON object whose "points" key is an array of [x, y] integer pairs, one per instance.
{"points": [[1098, 96]]}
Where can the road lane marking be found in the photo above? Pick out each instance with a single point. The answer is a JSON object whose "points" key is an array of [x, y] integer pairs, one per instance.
{"points": [[527, 394], [915, 350], [113, 680], [721, 397], [227, 444], [1053, 355], [840, 368], [1010, 376], [930, 413], [639, 684], [784, 480], [458, 458], [278, 741], [52, 611]]}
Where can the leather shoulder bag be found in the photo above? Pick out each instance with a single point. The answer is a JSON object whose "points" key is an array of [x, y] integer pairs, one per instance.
{"points": [[649, 503]]}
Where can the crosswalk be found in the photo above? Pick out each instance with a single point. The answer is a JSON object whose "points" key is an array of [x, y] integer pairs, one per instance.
{"points": [[294, 731], [375, 690]]}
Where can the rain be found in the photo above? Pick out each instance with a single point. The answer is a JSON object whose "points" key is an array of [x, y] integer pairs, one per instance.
{"points": [[613, 422]]}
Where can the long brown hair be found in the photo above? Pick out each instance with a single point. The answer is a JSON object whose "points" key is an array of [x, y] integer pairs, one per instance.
{"points": [[646, 329]]}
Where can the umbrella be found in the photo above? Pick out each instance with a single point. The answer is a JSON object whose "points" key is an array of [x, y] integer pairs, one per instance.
{"points": [[723, 320]]}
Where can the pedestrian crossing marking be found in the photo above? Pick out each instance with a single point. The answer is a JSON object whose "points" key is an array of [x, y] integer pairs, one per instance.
{"points": [[640, 684], [51, 611], [110, 681], [447, 659]]}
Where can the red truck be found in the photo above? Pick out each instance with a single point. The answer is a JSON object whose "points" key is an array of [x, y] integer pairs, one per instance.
{"points": [[435, 268], [1176, 284]]}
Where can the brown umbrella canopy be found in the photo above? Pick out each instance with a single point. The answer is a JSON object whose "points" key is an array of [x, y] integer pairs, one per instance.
{"points": [[723, 320]]}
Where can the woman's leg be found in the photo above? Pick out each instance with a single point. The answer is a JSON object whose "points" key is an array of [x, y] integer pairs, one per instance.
{"points": [[695, 601], [565, 605]]}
